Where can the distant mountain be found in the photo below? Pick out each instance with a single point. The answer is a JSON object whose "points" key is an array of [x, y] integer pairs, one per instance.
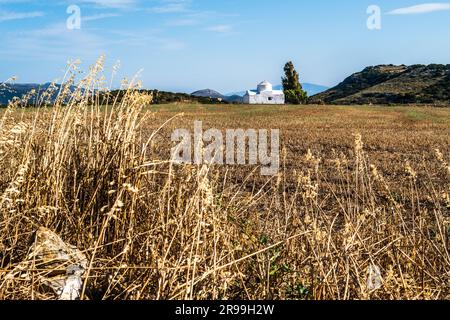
{"points": [[212, 94], [208, 93], [310, 88], [8, 91], [391, 84]]}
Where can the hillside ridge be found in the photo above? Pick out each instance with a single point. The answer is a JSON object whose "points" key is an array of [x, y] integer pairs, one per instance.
{"points": [[392, 84]]}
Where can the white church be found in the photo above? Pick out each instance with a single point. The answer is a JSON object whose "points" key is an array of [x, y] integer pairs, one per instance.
{"points": [[264, 95]]}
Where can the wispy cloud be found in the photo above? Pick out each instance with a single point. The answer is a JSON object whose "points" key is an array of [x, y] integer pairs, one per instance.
{"points": [[146, 39], [117, 4], [13, 1], [54, 42], [220, 28], [171, 6], [100, 16], [421, 8], [8, 15], [113, 4], [182, 22]]}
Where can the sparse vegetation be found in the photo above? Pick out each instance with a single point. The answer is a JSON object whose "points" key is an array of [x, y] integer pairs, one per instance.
{"points": [[360, 188]]}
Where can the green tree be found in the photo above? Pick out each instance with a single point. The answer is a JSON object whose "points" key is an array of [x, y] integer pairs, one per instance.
{"points": [[291, 85]]}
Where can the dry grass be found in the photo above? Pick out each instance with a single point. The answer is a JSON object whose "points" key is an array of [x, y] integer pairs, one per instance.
{"points": [[360, 188]]}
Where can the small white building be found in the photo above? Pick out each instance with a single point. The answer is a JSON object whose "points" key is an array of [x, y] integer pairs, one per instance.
{"points": [[264, 95]]}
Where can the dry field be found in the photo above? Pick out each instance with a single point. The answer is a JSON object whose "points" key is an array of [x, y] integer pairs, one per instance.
{"points": [[359, 209]]}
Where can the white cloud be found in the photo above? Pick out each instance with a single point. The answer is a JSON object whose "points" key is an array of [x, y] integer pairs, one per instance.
{"points": [[100, 16], [183, 23], [421, 8], [113, 4], [13, 1], [220, 28], [171, 6], [54, 42], [8, 15], [146, 39], [117, 4]]}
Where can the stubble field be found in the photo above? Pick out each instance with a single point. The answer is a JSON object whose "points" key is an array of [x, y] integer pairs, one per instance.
{"points": [[358, 210]]}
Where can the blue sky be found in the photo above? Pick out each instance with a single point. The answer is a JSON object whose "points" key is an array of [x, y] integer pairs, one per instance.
{"points": [[227, 45]]}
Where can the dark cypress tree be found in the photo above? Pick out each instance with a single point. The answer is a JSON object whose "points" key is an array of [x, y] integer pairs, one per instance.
{"points": [[291, 85]]}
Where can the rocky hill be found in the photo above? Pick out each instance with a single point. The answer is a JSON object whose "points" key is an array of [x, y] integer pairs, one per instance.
{"points": [[390, 84]]}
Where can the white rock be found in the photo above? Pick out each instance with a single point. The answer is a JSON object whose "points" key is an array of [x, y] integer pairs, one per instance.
{"points": [[57, 265], [374, 278]]}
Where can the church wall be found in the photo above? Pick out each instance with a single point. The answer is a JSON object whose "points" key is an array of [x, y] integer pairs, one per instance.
{"points": [[263, 98]]}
